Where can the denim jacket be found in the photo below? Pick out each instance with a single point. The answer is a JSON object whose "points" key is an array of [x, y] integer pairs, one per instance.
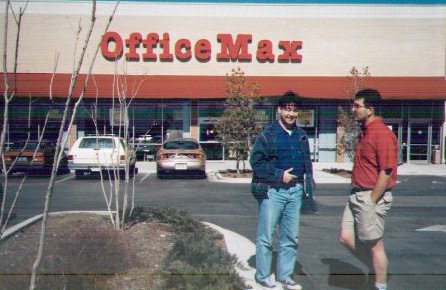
{"points": [[264, 160]]}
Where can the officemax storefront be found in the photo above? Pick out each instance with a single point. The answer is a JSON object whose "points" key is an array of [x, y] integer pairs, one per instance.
{"points": [[171, 59]]}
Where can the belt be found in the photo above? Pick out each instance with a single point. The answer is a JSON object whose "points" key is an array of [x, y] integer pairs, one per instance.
{"points": [[299, 180], [356, 189]]}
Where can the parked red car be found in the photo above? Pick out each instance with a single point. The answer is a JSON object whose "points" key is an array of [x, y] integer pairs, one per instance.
{"points": [[43, 160]]}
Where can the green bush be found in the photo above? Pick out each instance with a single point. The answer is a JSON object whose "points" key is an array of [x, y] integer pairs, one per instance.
{"points": [[196, 261]]}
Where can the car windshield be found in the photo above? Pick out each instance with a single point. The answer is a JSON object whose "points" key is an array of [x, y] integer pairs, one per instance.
{"points": [[181, 144], [32, 145], [92, 143]]}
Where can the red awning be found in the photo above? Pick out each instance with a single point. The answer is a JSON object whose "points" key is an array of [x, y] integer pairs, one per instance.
{"points": [[212, 87]]}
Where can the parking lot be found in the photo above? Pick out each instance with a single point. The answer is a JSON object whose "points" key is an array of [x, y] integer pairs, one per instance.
{"points": [[414, 238]]}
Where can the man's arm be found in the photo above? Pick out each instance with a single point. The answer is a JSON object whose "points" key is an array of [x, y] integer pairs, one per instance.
{"points": [[381, 185], [261, 164]]}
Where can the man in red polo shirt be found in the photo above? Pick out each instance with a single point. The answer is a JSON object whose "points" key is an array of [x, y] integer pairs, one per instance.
{"points": [[373, 177]]}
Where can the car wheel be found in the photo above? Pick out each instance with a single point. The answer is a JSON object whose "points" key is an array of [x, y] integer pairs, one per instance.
{"points": [[79, 173], [133, 171], [63, 170]]}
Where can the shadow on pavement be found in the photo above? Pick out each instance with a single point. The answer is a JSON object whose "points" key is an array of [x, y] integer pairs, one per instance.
{"points": [[345, 275], [297, 269]]}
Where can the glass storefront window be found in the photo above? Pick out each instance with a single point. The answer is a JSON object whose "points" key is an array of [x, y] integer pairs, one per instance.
{"points": [[207, 133]]}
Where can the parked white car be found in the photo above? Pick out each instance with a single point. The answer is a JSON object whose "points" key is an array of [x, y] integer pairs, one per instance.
{"points": [[95, 153]]}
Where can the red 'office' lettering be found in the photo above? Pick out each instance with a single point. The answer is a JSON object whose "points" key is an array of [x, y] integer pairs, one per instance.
{"points": [[132, 43], [150, 43], [165, 44], [183, 49], [203, 50], [112, 37]]}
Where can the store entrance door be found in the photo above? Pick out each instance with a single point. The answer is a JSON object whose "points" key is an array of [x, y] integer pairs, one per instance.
{"points": [[419, 142], [396, 128]]}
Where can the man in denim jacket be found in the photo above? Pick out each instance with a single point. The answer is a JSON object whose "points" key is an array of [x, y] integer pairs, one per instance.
{"points": [[282, 170]]}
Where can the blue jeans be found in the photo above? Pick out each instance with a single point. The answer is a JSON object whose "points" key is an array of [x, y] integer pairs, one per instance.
{"points": [[283, 208]]}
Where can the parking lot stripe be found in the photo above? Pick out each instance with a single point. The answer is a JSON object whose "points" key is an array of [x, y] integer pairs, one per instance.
{"points": [[144, 178], [62, 180]]}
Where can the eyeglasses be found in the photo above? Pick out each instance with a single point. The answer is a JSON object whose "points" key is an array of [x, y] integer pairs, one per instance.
{"points": [[357, 106], [290, 108]]}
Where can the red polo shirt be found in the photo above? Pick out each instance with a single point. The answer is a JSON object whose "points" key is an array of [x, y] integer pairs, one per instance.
{"points": [[377, 150]]}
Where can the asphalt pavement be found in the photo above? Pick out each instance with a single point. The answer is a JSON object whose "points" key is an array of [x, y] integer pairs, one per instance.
{"points": [[326, 264], [415, 231]]}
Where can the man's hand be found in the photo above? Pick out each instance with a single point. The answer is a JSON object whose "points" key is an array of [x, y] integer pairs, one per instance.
{"points": [[381, 185], [287, 176]]}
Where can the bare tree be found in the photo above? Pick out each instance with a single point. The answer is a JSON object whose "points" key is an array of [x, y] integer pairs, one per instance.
{"points": [[8, 96], [124, 93], [348, 129], [4, 221], [66, 120]]}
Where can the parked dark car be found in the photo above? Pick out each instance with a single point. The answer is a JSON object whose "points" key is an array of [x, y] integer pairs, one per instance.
{"points": [[146, 151], [43, 160]]}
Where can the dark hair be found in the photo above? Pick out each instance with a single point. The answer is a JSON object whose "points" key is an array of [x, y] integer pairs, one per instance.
{"points": [[371, 97], [289, 97]]}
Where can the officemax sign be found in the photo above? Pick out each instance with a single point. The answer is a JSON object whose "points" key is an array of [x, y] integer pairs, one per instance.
{"points": [[153, 47]]}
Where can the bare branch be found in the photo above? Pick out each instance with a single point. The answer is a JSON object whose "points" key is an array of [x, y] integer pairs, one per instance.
{"points": [[22, 182], [61, 143], [56, 61], [5, 78]]}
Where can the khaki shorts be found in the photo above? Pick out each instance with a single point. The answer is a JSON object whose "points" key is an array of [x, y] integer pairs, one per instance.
{"points": [[364, 217]]}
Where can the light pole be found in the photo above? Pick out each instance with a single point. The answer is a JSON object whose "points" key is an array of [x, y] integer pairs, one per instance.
{"points": [[162, 121]]}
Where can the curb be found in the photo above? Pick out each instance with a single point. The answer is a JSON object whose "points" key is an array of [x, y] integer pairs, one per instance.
{"points": [[242, 249], [15, 228], [221, 178]]}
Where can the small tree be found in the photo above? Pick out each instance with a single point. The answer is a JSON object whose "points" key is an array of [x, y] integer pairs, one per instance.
{"points": [[124, 92], [349, 129], [239, 123]]}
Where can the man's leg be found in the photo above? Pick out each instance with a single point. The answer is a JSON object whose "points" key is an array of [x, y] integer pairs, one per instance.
{"points": [[360, 250], [289, 233], [380, 261], [269, 212], [369, 225], [347, 237]]}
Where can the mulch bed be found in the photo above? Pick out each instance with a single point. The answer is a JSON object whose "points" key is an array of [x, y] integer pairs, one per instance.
{"points": [[84, 251]]}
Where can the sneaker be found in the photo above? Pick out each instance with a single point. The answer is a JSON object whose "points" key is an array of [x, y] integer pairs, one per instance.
{"points": [[290, 284], [266, 284]]}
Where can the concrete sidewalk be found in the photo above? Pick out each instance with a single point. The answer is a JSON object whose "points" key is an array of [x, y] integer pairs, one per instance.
{"points": [[213, 167]]}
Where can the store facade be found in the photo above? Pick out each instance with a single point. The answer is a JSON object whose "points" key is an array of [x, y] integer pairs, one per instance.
{"points": [[172, 59]]}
